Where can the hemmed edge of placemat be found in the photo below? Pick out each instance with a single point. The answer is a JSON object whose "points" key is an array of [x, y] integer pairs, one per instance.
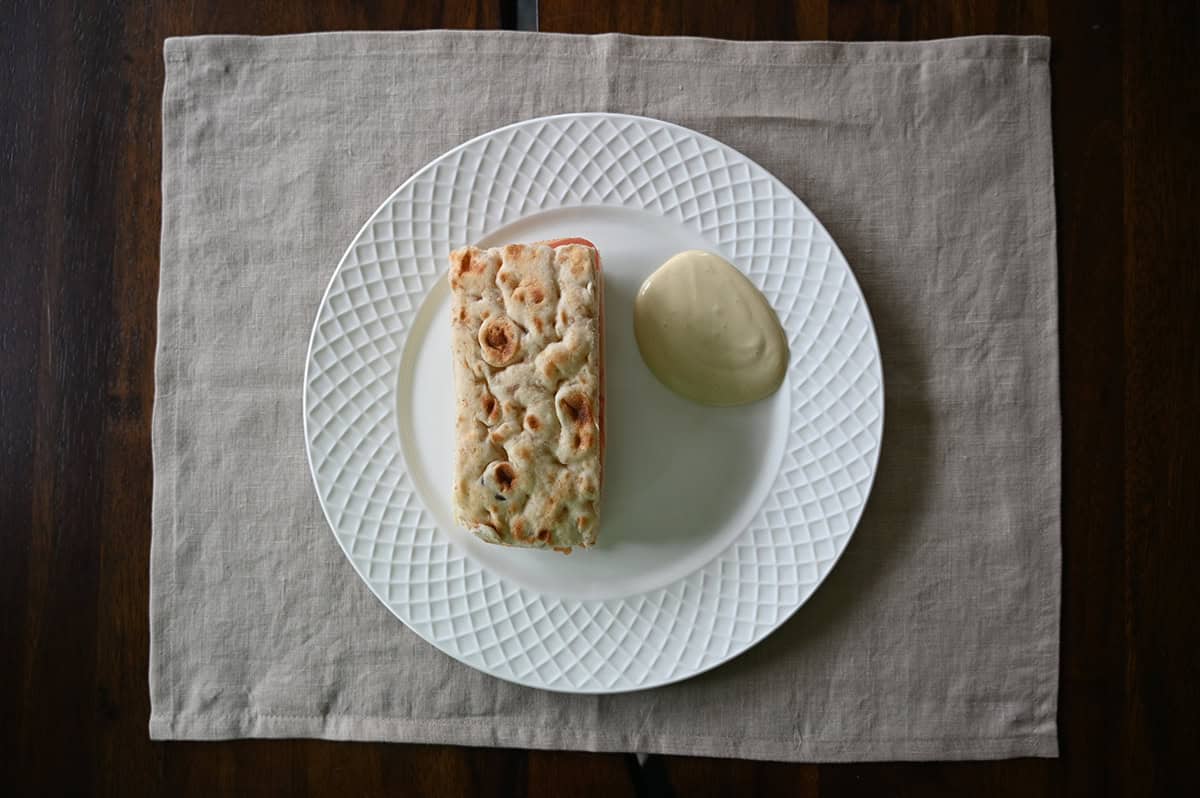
{"points": [[164, 424], [496, 733], [1049, 617], [691, 49]]}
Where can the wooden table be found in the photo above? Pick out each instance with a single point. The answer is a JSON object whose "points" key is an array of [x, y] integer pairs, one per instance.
{"points": [[80, 151]]}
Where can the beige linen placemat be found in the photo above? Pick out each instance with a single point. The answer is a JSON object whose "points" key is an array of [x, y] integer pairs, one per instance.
{"points": [[936, 636]]}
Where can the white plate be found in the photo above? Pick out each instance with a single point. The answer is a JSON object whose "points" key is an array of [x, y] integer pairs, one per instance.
{"points": [[716, 524]]}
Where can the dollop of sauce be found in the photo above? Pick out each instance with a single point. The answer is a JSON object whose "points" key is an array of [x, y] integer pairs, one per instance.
{"points": [[708, 333]]}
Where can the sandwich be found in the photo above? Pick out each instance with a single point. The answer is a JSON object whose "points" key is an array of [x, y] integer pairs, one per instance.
{"points": [[527, 323]]}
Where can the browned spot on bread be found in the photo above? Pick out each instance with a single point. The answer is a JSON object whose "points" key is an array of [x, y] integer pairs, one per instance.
{"points": [[496, 336], [536, 295], [543, 535], [531, 421], [568, 257], [537, 323], [505, 476], [518, 529], [463, 262], [577, 408], [562, 317], [462, 313], [460, 261], [498, 340], [563, 549], [490, 406]]}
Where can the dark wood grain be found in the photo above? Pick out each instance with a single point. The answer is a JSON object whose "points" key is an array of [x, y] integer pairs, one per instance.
{"points": [[1087, 100], [80, 91], [1161, 128]]}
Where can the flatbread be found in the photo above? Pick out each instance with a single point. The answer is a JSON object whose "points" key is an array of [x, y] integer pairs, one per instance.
{"points": [[526, 322]]}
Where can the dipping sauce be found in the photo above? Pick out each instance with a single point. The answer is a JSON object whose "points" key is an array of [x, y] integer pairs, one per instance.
{"points": [[708, 333]]}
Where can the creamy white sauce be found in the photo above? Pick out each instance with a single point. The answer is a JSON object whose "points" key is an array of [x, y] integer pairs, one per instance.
{"points": [[708, 333]]}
